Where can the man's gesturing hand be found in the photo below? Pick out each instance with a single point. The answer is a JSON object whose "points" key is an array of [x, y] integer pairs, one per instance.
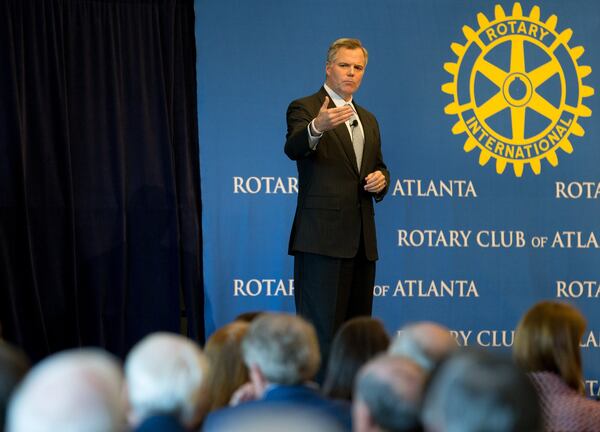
{"points": [[328, 119]]}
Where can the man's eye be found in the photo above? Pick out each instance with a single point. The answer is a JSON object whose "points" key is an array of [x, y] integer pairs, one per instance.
{"points": [[358, 68]]}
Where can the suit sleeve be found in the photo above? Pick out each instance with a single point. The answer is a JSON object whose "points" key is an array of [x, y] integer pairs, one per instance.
{"points": [[297, 144], [380, 165]]}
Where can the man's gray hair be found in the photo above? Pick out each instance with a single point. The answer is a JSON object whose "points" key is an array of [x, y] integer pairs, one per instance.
{"points": [[348, 43], [165, 373], [426, 343], [72, 391], [391, 388], [477, 391], [284, 347]]}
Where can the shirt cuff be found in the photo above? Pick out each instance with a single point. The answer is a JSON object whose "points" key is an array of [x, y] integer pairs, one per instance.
{"points": [[313, 135]]}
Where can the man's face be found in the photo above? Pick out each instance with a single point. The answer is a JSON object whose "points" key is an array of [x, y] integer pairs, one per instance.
{"points": [[345, 72]]}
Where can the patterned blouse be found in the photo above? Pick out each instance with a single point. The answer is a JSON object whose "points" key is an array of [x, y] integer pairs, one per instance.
{"points": [[563, 408]]}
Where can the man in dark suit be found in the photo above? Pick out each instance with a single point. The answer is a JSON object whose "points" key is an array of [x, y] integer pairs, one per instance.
{"points": [[337, 148], [282, 355]]}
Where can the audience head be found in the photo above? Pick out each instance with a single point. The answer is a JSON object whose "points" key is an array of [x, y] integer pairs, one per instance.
{"points": [[547, 339], [165, 374], [426, 343], [248, 316], [388, 394], [13, 366], [75, 390], [281, 349], [477, 391], [227, 368], [356, 342]]}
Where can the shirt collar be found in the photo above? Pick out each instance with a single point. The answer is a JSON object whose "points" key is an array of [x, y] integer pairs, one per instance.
{"points": [[336, 98]]}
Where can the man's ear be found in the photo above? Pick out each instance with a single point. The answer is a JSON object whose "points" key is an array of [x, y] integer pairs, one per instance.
{"points": [[258, 379], [133, 419], [371, 422], [361, 417]]}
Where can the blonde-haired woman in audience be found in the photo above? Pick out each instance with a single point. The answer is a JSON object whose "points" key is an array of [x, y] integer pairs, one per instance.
{"points": [[547, 347], [228, 371]]}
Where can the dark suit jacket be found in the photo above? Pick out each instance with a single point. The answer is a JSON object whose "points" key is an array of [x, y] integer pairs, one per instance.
{"points": [[160, 423], [333, 207], [297, 400]]}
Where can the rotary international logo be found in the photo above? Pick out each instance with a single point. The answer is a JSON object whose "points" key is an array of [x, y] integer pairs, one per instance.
{"points": [[517, 89]]}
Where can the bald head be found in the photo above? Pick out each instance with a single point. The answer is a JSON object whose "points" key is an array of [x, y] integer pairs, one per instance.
{"points": [[425, 342], [75, 390], [388, 395]]}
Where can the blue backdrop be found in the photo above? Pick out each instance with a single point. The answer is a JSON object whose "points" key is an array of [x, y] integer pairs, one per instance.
{"points": [[470, 239]]}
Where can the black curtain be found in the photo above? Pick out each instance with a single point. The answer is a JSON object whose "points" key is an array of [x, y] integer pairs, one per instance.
{"points": [[100, 233]]}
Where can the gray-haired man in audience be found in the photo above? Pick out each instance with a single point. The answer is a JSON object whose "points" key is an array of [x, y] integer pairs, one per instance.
{"points": [[281, 352], [72, 391], [388, 392], [165, 373], [425, 342], [476, 391]]}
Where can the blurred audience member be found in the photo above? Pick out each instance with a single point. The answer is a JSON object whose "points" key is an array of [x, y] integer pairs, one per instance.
{"points": [[476, 392], [282, 355], [426, 343], [388, 395], [227, 369], [165, 376], [72, 391], [248, 316], [547, 347], [356, 342], [13, 366]]}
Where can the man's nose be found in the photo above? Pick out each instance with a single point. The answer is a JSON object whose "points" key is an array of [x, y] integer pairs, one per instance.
{"points": [[351, 71]]}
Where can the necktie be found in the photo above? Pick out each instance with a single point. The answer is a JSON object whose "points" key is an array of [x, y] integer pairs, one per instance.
{"points": [[358, 139]]}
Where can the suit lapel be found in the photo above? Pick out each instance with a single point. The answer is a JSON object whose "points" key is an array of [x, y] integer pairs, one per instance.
{"points": [[341, 133]]}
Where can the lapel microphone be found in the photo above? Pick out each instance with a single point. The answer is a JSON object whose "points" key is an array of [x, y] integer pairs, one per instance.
{"points": [[354, 123]]}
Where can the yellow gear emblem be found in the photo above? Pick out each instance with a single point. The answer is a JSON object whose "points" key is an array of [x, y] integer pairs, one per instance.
{"points": [[517, 89]]}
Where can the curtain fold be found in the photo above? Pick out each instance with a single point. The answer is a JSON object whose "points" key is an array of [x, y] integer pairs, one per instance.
{"points": [[100, 235]]}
